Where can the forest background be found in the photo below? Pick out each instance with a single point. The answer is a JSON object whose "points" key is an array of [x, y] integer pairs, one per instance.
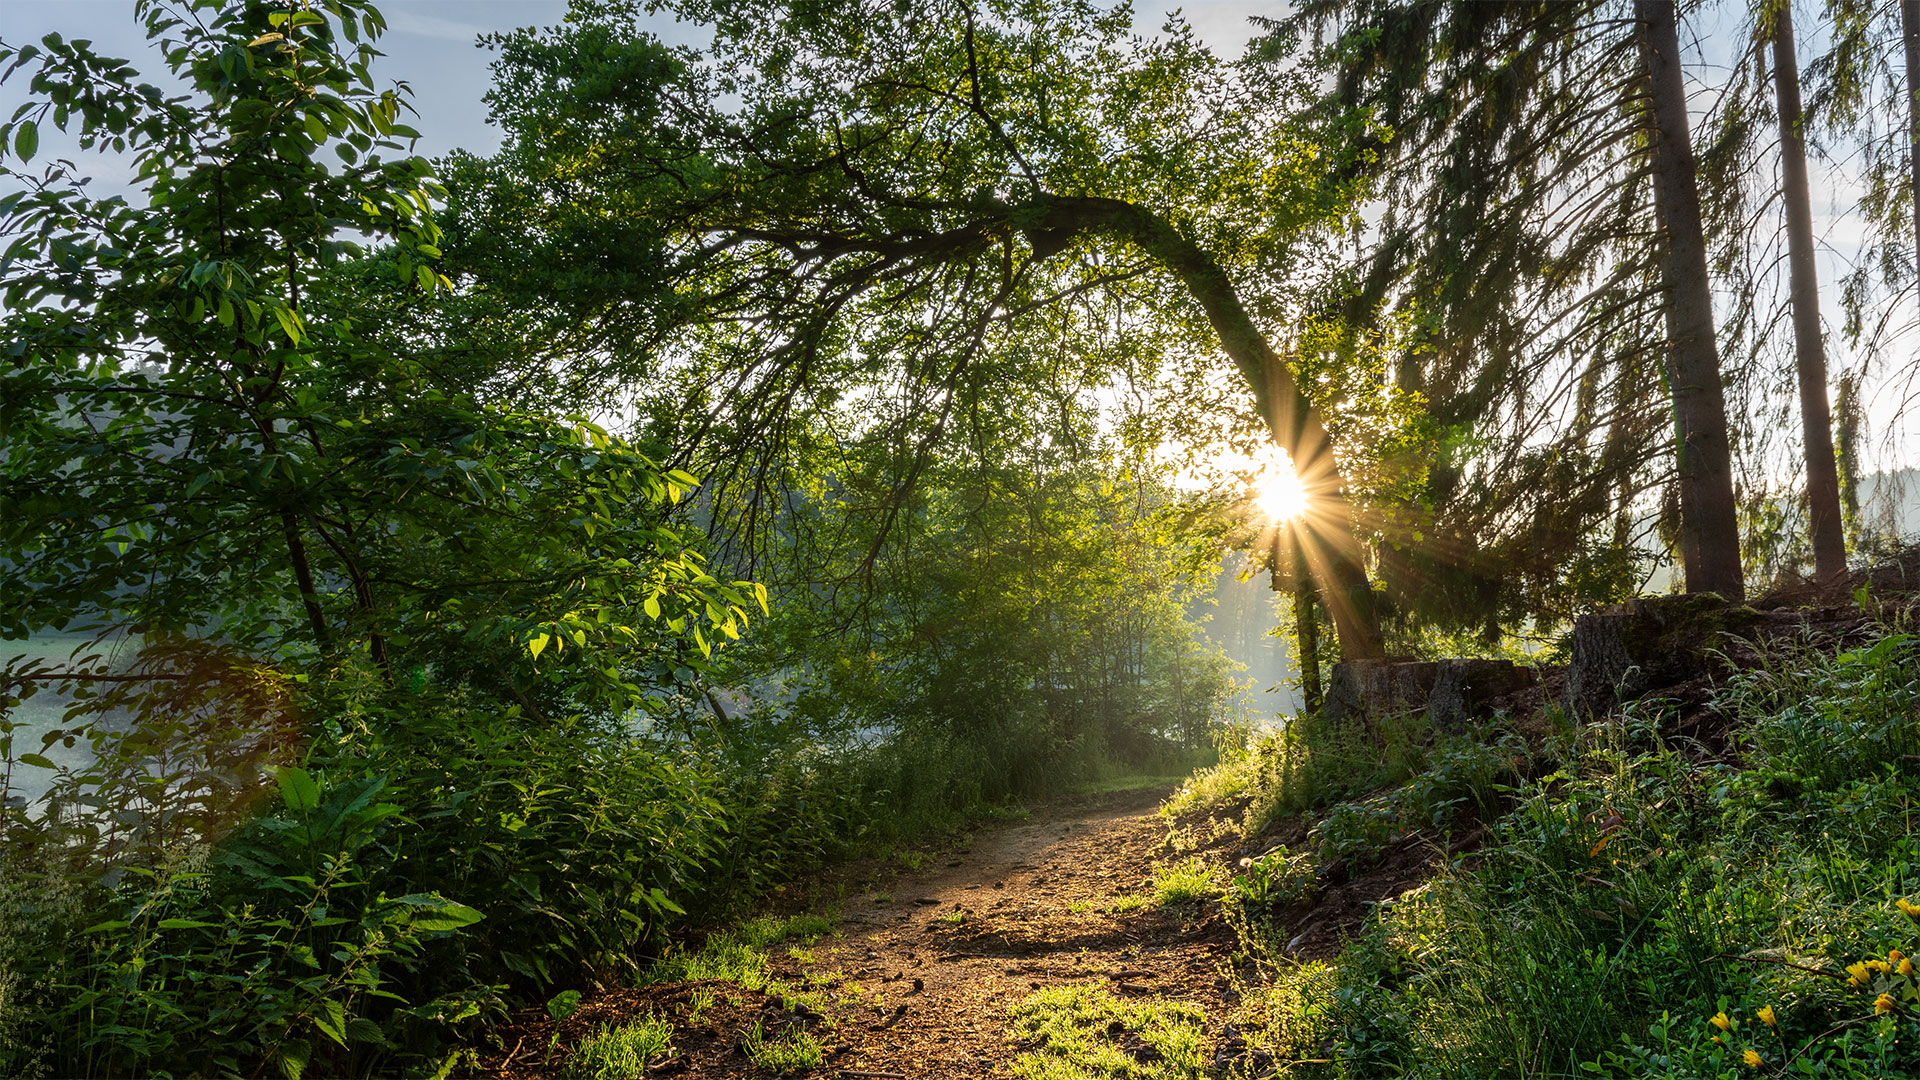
{"points": [[485, 565]]}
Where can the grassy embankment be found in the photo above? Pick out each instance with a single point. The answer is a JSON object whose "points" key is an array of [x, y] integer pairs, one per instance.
{"points": [[1634, 904]]}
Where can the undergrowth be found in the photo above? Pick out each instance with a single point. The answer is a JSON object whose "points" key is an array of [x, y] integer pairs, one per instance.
{"points": [[1640, 906]]}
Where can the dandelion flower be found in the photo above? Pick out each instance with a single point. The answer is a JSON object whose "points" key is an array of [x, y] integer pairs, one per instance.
{"points": [[1909, 908], [1716, 1038], [1894, 955], [1882, 1005], [1766, 1015], [1880, 966], [1752, 1057], [1858, 974], [1720, 1021], [1906, 966]]}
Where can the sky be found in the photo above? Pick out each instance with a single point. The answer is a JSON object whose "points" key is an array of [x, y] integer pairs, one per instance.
{"points": [[430, 45]]}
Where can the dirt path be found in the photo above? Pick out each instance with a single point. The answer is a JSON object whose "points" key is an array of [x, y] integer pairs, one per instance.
{"points": [[919, 977]]}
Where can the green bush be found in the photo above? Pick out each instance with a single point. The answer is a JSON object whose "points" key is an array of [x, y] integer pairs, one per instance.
{"points": [[1819, 722], [277, 948], [1355, 835]]}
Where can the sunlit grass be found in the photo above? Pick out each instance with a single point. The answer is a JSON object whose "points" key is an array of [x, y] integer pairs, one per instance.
{"points": [[620, 1052], [794, 1049], [1085, 1033], [1184, 882], [738, 955]]}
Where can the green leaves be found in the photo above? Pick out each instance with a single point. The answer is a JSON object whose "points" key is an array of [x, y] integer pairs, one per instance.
{"points": [[427, 913], [298, 790]]}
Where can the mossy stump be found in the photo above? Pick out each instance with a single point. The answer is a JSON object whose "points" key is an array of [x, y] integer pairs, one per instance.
{"points": [[1449, 692], [1628, 650], [1464, 690], [1361, 691]]}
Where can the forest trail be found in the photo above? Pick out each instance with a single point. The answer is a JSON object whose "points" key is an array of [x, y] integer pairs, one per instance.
{"points": [[917, 979]]}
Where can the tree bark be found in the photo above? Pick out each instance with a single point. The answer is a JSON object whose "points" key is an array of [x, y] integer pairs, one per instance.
{"points": [[303, 578], [1816, 419], [1306, 628], [1910, 33], [1709, 522], [1334, 551]]}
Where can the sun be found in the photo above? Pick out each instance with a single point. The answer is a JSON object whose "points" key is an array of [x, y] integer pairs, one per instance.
{"points": [[1278, 493]]}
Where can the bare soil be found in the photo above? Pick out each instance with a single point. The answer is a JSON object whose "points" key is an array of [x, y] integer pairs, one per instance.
{"points": [[924, 966]]}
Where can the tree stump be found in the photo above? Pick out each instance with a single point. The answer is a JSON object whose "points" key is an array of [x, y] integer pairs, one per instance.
{"points": [[1623, 652], [1464, 689], [1365, 690]]}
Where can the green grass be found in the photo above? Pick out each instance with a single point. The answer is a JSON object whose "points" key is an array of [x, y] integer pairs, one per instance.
{"points": [[1184, 882], [1085, 1033], [1636, 891], [1217, 785], [738, 955], [1133, 782], [794, 1049], [620, 1053]]}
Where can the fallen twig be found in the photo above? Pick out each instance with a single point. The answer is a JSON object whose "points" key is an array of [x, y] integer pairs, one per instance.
{"points": [[1783, 963]]}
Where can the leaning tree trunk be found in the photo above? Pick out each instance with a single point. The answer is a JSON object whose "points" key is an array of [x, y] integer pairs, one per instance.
{"points": [[1334, 551], [1816, 421], [1709, 523]]}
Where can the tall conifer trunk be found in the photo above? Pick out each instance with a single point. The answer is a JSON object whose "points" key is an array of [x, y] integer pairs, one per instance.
{"points": [[1816, 421], [1709, 523], [1910, 31]]}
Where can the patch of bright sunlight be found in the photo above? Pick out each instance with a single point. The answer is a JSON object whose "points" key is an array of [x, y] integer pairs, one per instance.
{"points": [[1085, 1033]]}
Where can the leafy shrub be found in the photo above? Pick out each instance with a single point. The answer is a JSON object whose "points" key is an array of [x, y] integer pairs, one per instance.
{"points": [[1459, 772], [276, 949], [1355, 834]]}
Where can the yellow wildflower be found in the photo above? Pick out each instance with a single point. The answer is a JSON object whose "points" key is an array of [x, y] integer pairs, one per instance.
{"points": [[1716, 1038], [1882, 1005], [1894, 955], [1909, 908], [1766, 1015], [1906, 966], [1880, 966], [1720, 1021], [1858, 975], [1752, 1058]]}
